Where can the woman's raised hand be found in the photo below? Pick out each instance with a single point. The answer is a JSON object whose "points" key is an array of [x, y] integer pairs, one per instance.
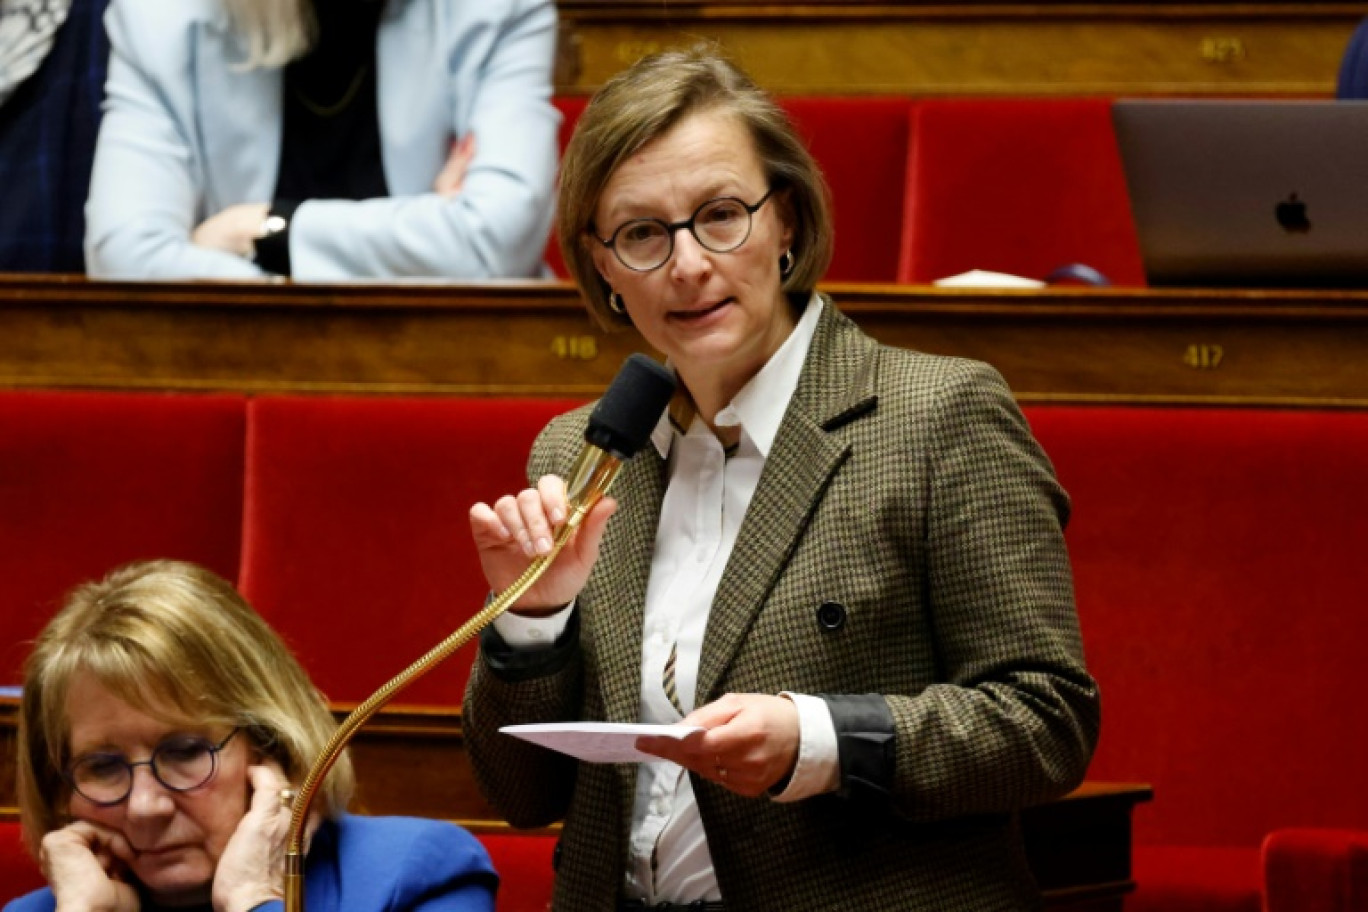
{"points": [[251, 870], [521, 527], [84, 863]]}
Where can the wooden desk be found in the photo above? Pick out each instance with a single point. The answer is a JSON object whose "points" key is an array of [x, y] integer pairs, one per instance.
{"points": [[1080, 345], [412, 761], [977, 47]]}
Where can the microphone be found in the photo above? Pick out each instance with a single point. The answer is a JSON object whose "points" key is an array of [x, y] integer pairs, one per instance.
{"points": [[619, 426]]}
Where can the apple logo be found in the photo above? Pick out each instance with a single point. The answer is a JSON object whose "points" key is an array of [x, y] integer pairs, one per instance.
{"points": [[1291, 215]]}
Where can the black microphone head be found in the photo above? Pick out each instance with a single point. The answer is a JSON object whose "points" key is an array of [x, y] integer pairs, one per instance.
{"points": [[622, 421]]}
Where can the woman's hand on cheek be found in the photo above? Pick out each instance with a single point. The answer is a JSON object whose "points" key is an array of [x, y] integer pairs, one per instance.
{"points": [[251, 870], [84, 863]]}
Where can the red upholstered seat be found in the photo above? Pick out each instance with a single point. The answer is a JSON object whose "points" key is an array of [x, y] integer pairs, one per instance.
{"points": [[861, 145], [1316, 870], [19, 873], [1195, 879], [357, 543], [1220, 591], [525, 873], [1022, 186], [89, 481]]}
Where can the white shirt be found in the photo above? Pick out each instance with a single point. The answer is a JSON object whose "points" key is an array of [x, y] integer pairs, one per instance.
{"points": [[705, 501]]}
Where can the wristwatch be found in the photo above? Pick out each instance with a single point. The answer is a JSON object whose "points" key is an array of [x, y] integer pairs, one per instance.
{"points": [[272, 224], [271, 246]]}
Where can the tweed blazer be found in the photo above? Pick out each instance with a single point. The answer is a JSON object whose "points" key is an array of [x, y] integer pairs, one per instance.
{"points": [[906, 489]]}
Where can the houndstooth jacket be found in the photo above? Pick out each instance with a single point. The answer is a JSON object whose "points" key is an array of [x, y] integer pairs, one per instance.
{"points": [[907, 490]]}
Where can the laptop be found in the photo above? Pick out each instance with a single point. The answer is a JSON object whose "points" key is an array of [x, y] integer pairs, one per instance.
{"points": [[1248, 193]]}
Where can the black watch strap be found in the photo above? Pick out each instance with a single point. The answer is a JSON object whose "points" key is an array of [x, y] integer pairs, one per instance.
{"points": [[271, 249]]}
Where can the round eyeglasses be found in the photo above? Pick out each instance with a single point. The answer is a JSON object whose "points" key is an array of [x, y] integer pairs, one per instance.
{"points": [[720, 225], [181, 763]]}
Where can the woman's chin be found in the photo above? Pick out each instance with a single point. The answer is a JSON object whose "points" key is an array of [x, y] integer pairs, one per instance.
{"points": [[176, 882]]}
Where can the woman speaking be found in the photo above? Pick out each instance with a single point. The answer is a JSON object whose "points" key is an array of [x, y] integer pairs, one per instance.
{"points": [[843, 561]]}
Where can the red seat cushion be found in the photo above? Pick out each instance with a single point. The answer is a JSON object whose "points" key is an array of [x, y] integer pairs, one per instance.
{"points": [[861, 145], [1021, 186], [357, 541], [1195, 879], [1316, 870], [89, 481]]}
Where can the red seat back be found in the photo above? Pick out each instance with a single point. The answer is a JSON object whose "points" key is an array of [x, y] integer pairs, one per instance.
{"points": [[357, 543], [571, 108], [89, 481], [19, 873], [861, 145], [1220, 579], [1022, 186]]}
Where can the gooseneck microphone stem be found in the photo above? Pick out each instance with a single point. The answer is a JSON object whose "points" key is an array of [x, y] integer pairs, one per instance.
{"points": [[589, 481], [618, 427]]}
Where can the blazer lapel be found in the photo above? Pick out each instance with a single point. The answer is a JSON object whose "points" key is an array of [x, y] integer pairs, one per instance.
{"points": [[624, 567], [238, 119], [836, 387], [619, 584]]}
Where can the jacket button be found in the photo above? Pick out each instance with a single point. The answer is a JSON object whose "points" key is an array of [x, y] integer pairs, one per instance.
{"points": [[831, 616]]}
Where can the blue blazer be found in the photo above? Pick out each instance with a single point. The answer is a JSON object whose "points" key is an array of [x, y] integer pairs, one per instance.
{"points": [[47, 142], [370, 864], [1353, 74], [187, 132]]}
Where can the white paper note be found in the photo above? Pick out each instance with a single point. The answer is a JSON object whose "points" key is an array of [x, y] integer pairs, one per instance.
{"points": [[599, 742], [982, 278]]}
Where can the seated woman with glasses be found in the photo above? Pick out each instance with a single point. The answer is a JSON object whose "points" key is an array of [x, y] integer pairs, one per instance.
{"points": [[844, 561], [162, 724]]}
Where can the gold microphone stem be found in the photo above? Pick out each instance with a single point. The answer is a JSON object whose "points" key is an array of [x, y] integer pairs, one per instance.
{"points": [[590, 479]]}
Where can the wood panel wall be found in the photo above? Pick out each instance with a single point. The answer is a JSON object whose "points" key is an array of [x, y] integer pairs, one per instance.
{"points": [[975, 47], [1256, 348]]}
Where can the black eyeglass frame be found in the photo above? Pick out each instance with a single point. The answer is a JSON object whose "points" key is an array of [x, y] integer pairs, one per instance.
{"points": [[68, 774], [672, 228]]}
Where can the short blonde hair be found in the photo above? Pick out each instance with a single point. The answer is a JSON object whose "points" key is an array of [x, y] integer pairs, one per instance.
{"points": [[168, 638], [645, 101], [276, 31]]}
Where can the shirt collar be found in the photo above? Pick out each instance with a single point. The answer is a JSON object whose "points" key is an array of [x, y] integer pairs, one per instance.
{"points": [[760, 405]]}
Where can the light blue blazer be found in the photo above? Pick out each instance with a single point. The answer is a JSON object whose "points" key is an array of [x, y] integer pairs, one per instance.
{"points": [[187, 132]]}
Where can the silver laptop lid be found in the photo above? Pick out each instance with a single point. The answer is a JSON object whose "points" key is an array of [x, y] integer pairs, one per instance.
{"points": [[1249, 192]]}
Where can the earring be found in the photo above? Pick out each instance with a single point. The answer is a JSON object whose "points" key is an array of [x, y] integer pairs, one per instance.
{"points": [[615, 304], [786, 263]]}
